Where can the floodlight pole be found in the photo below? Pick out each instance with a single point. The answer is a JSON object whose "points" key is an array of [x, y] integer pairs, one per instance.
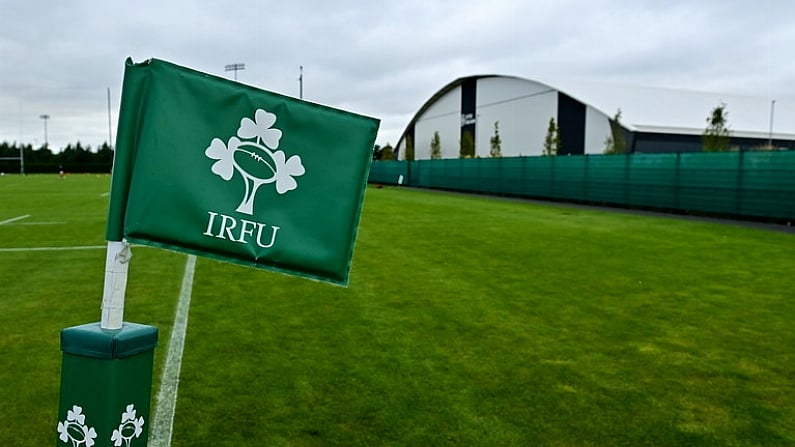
{"points": [[21, 146], [45, 117], [235, 67], [110, 131], [301, 82], [770, 134]]}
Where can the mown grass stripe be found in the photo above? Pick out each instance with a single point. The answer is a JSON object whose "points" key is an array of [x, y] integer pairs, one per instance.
{"points": [[167, 396]]}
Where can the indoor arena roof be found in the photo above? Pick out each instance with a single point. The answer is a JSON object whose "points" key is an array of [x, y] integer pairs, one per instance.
{"points": [[663, 110]]}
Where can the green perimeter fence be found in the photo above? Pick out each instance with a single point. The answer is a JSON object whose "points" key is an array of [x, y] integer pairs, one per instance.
{"points": [[758, 185]]}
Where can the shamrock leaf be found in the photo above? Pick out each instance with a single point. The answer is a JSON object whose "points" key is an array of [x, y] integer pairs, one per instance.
{"points": [[63, 430], [128, 415], [261, 128], [91, 434], [286, 170], [75, 414], [225, 154]]}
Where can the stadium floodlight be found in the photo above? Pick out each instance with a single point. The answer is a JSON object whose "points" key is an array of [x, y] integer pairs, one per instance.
{"points": [[45, 117], [235, 68]]}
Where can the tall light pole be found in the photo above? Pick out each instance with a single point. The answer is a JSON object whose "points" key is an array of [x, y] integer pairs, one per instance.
{"points": [[110, 131], [235, 68], [301, 82], [770, 134], [45, 117]]}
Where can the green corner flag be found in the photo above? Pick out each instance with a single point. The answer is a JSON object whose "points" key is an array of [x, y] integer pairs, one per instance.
{"points": [[215, 168]]}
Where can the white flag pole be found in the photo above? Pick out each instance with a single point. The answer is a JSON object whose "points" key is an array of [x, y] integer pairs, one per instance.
{"points": [[117, 261]]}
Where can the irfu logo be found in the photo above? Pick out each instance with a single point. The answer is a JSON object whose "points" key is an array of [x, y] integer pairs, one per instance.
{"points": [[253, 153]]}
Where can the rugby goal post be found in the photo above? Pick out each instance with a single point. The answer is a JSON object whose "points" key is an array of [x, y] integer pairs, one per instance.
{"points": [[21, 159]]}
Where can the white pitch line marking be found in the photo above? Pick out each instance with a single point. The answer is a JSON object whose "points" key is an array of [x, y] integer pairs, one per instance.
{"points": [[14, 219], [163, 421], [104, 194], [22, 249], [41, 223]]}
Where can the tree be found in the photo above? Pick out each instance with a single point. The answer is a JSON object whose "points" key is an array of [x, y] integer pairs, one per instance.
{"points": [[436, 146], [467, 149], [496, 142], [616, 143], [376, 152], [409, 154], [387, 152], [104, 156], [552, 140], [73, 158], [716, 136]]}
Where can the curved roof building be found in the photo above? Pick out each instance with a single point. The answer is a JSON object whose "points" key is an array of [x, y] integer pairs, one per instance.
{"points": [[652, 119]]}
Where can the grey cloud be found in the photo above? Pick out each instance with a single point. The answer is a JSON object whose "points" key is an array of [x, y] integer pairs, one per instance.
{"points": [[379, 58]]}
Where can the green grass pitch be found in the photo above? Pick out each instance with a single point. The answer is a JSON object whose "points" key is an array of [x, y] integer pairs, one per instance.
{"points": [[468, 321]]}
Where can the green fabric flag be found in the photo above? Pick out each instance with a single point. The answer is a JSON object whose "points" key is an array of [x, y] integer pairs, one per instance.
{"points": [[212, 167]]}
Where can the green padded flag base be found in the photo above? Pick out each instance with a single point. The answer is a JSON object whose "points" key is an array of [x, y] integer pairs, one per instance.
{"points": [[106, 382]]}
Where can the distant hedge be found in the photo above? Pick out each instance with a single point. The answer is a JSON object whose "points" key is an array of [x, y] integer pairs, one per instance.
{"points": [[73, 158]]}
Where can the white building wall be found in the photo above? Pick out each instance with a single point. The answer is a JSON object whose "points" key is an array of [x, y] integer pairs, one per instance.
{"points": [[597, 130], [443, 116], [522, 108]]}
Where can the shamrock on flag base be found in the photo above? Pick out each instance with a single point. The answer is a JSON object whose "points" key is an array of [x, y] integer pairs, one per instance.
{"points": [[211, 167]]}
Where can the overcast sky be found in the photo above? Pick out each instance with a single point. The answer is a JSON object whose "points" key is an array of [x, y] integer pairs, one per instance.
{"points": [[379, 58]]}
